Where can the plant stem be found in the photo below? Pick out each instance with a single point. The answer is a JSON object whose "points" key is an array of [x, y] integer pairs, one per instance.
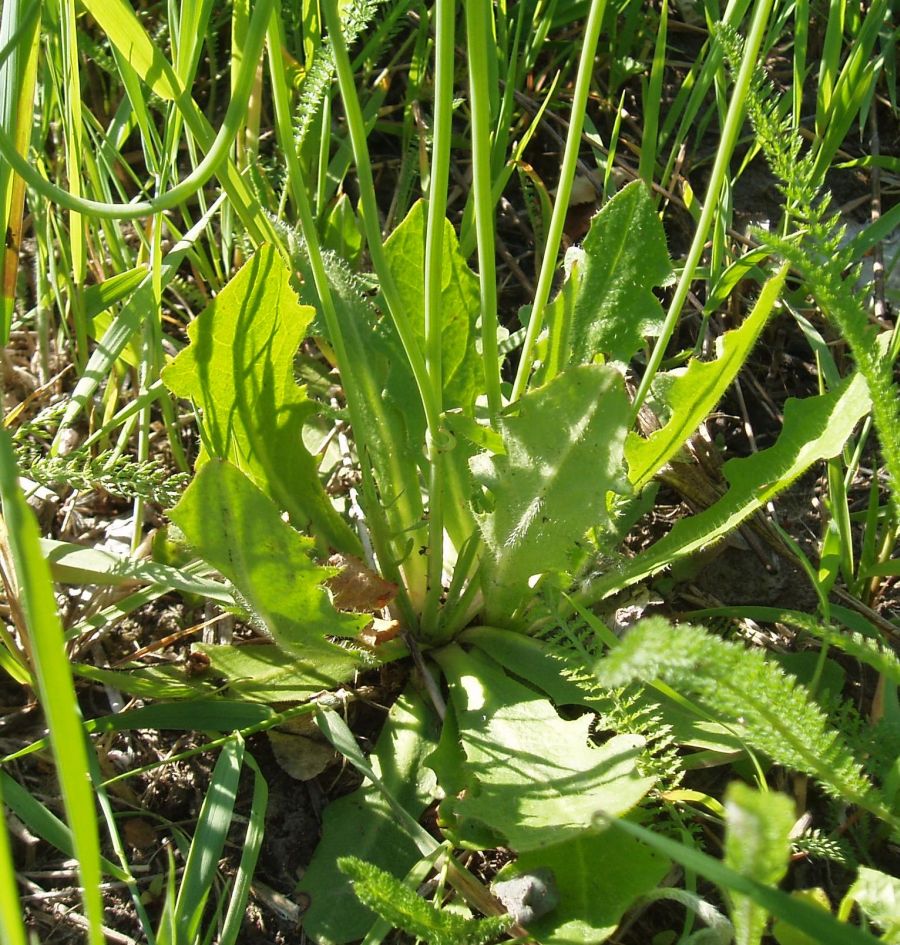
{"points": [[217, 153], [563, 191], [376, 522], [478, 28], [369, 212], [732, 127], [444, 14]]}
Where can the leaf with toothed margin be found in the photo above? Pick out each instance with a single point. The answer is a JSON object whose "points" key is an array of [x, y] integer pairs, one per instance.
{"points": [[625, 256], [564, 452], [239, 369], [237, 529], [531, 777]]}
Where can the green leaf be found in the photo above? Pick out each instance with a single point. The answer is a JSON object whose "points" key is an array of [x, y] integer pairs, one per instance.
{"points": [[552, 349], [755, 697], [533, 778], [343, 234], [460, 302], [389, 423], [564, 452], [403, 909], [124, 30], [202, 861], [76, 564], [878, 895], [820, 925], [814, 428], [758, 845], [363, 823], [625, 255], [28, 582], [268, 673], [239, 530], [598, 876], [149, 682], [786, 934], [239, 368], [562, 676], [695, 392]]}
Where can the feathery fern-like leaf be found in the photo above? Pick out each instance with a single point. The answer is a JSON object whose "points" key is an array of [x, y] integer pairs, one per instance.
{"points": [[773, 712], [397, 904], [818, 256]]}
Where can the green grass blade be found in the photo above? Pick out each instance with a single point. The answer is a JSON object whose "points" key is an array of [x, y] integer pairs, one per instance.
{"points": [[55, 686], [652, 101], [249, 855], [563, 191], [12, 928], [478, 28], [209, 840], [20, 31], [731, 130], [818, 924], [217, 145]]}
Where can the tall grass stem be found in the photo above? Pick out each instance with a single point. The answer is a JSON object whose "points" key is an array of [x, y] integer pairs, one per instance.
{"points": [[563, 191], [733, 122]]}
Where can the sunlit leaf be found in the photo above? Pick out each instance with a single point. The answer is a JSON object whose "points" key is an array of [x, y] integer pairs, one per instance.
{"points": [[597, 876], [238, 529], [239, 369], [532, 777], [564, 453], [814, 428], [695, 392], [757, 844], [625, 255], [460, 301]]}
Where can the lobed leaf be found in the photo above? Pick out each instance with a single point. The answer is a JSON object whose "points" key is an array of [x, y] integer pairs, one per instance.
{"points": [[236, 528], [404, 909], [239, 369], [768, 707], [532, 778]]}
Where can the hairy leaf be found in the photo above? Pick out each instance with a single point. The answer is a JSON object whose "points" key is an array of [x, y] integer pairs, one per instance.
{"points": [[239, 369], [814, 428], [757, 844], [239, 530], [460, 301], [695, 392], [564, 447], [363, 823], [625, 255], [532, 777], [269, 673]]}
